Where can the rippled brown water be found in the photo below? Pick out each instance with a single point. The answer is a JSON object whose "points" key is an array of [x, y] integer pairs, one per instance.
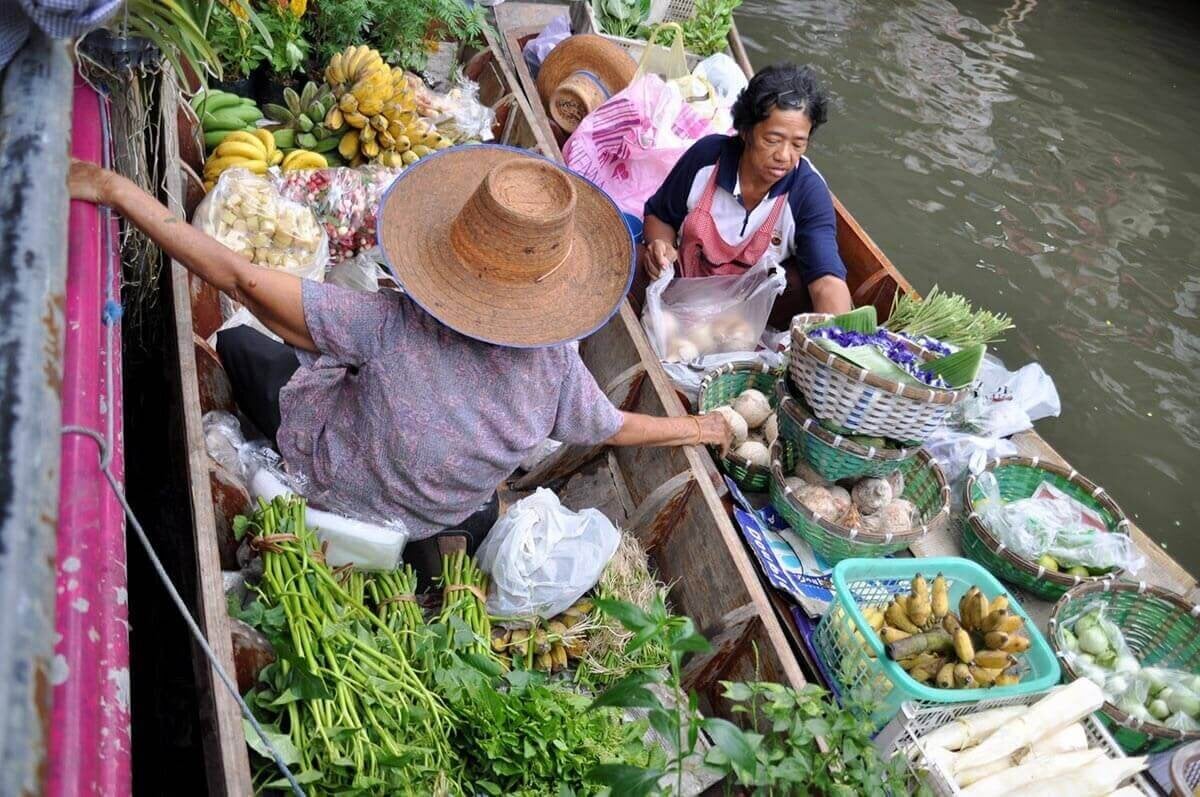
{"points": [[1044, 160]]}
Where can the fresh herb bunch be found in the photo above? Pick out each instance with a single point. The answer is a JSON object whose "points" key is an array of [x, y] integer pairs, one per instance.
{"points": [[404, 31], [334, 25], [707, 32], [288, 50], [620, 17], [787, 758], [948, 317], [236, 43]]}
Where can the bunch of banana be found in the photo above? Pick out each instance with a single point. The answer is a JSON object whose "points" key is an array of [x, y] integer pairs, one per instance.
{"points": [[254, 151], [377, 112], [299, 123], [549, 647], [300, 159], [973, 648], [221, 113]]}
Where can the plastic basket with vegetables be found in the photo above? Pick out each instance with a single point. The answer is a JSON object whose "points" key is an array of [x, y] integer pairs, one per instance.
{"points": [[868, 380], [1004, 538], [745, 394], [1142, 644], [836, 456], [891, 638], [871, 516], [1048, 743]]}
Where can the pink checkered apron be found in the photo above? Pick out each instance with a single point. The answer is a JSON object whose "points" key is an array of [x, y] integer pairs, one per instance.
{"points": [[702, 250]]}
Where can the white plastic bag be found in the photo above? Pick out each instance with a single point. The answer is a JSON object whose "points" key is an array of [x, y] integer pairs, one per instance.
{"points": [[724, 75], [1007, 402], [687, 318], [358, 273], [686, 377], [537, 48], [542, 557]]}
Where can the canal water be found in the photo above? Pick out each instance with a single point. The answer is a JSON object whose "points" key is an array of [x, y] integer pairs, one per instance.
{"points": [[1043, 159]]}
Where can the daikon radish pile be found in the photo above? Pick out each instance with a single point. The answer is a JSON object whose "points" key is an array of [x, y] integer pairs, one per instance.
{"points": [[1038, 749]]}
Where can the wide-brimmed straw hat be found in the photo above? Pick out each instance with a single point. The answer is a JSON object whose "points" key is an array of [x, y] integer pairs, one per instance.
{"points": [[579, 75], [505, 246]]}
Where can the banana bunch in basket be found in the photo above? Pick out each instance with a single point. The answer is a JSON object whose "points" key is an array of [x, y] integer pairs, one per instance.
{"points": [[376, 112], [975, 647]]}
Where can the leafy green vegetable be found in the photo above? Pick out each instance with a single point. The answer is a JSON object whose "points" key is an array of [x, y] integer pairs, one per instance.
{"points": [[402, 28], [707, 32], [620, 17]]}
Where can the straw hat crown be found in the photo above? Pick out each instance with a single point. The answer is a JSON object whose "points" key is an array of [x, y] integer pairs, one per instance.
{"points": [[505, 246], [518, 224]]}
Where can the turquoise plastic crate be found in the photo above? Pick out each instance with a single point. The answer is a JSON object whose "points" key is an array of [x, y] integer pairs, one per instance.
{"points": [[844, 640]]}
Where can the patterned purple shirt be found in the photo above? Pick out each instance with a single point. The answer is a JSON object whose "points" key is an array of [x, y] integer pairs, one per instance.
{"points": [[402, 417]]}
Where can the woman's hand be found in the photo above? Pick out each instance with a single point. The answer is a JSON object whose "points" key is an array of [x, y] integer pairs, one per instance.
{"points": [[659, 256], [90, 183], [715, 431]]}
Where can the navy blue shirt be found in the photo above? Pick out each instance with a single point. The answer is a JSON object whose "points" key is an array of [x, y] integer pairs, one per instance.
{"points": [[807, 235]]}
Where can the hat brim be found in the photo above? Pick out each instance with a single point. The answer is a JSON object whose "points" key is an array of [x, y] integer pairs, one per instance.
{"points": [[572, 302]]}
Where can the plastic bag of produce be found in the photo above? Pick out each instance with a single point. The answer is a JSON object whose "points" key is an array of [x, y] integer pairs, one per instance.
{"points": [[359, 273], [247, 214], [628, 145], [687, 318], [542, 557], [345, 202], [1052, 523], [724, 75]]}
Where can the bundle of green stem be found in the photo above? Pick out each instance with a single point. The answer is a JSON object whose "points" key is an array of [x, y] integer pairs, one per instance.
{"points": [[947, 317], [394, 594], [358, 716], [464, 597]]}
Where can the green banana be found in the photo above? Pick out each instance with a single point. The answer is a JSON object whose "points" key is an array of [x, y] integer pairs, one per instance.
{"points": [[247, 113], [304, 123], [292, 100], [285, 138], [306, 140], [213, 101], [326, 145], [277, 113], [308, 94]]}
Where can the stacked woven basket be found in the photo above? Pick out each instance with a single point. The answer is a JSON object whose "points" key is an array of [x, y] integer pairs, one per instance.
{"points": [[832, 420]]}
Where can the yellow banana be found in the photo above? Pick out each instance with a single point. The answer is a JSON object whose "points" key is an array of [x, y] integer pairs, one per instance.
{"points": [[268, 140], [370, 105], [409, 157], [246, 138], [348, 146], [366, 134], [348, 103], [334, 73], [334, 120], [370, 148], [385, 140], [402, 144], [276, 158], [239, 149], [421, 150], [354, 119], [215, 165], [444, 143], [379, 122]]}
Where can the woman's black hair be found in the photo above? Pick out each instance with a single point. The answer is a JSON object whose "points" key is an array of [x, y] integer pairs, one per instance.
{"points": [[787, 86]]}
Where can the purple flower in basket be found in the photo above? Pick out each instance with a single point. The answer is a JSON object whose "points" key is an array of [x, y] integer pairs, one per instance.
{"points": [[892, 348]]}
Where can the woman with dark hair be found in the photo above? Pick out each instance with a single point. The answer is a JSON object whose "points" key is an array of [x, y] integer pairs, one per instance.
{"points": [[732, 201]]}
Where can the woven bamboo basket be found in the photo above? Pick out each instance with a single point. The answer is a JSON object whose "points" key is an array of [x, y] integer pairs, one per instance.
{"points": [[1018, 478], [1185, 770], [924, 485], [832, 455], [1161, 629], [719, 388], [859, 401]]}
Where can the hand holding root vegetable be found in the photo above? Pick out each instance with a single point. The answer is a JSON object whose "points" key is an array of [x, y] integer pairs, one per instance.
{"points": [[975, 648]]}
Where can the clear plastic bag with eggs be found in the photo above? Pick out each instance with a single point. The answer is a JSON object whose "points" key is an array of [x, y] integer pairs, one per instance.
{"points": [[690, 317]]}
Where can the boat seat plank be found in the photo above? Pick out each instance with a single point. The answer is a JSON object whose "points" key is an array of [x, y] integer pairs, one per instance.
{"points": [[703, 671], [658, 514]]}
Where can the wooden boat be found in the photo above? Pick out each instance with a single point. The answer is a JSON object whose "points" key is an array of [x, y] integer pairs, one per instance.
{"points": [[872, 279], [670, 498]]}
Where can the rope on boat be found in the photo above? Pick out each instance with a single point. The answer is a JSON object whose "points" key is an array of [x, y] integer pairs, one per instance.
{"points": [[105, 452]]}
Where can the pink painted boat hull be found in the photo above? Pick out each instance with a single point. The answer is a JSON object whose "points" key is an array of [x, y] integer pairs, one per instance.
{"points": [[90, 729]]}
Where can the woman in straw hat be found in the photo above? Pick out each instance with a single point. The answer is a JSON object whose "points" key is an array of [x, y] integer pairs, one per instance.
{"points": [[417, 406], [733, 201]]}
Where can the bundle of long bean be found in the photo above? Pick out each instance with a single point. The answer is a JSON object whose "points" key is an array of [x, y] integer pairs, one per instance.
{"points": [[464, 596], [394, 594], [947, 317], [357, 714]]}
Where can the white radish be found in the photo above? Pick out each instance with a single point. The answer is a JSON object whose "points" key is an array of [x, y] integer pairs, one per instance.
{"points": [[1097, 779], [970, 729], [1062, 707], [737, 425], [1015, 778], [1068, 740]]}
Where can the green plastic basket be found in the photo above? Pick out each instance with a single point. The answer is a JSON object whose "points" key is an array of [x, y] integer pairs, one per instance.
{"points": [[718, 389], [1019, 477], [1161, 629], [832, 455], [924, 485], [854, 656]]}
